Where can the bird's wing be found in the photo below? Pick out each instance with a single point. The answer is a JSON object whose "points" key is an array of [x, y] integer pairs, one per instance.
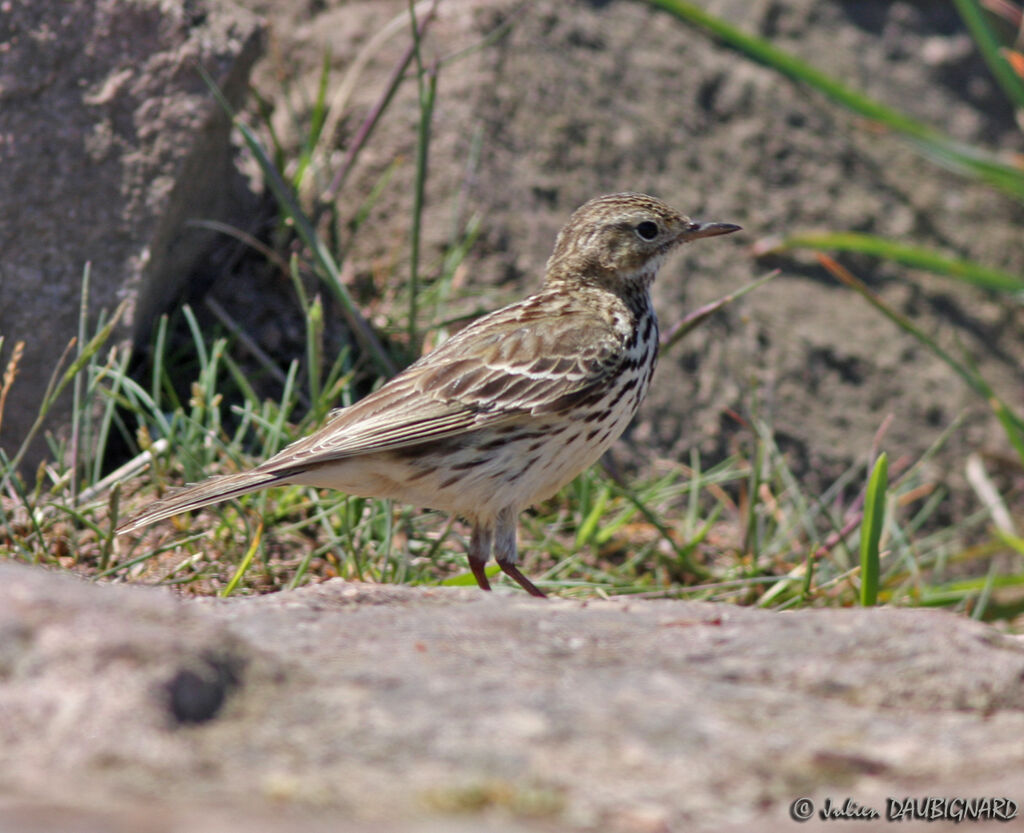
{"points": [[520, 360]]}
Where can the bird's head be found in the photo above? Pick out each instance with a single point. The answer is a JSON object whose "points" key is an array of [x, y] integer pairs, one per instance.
{"points": [[623, 238]]}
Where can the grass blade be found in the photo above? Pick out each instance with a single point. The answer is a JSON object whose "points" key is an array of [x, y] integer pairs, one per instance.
{"points": [[919, 258], [1012, 423], [427, 86], [931, 142], [871, 531], [10, 373], [991, 50], [57, 386], [328, 270], [229, 588], [360, 139], [701, 314]]}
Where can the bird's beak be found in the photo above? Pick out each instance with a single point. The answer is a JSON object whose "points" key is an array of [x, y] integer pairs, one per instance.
{"points": [[694, 231]]}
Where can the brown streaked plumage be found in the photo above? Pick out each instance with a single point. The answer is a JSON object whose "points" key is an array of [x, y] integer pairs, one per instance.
{"points": [[511, 408]]}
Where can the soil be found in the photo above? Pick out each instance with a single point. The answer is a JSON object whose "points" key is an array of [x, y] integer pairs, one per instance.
{"points": [[550, 103]]}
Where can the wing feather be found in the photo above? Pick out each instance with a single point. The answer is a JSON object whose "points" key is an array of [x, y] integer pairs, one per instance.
{"points": [[506, 365]]}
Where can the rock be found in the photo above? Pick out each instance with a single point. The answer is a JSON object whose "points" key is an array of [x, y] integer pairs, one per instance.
{"points": [[420, 709], [110, 143]]}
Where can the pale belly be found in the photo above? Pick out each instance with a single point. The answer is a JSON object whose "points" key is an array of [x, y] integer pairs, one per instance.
{"points": [[478, 475]]}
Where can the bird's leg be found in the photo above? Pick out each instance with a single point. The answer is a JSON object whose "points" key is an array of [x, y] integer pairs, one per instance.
{"points": [[512, 570], [481, 540], [505, 551]]}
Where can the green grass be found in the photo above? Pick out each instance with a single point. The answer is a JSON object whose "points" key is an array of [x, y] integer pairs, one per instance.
{"points": [[931, 141], [743, 530], [871, 531]]}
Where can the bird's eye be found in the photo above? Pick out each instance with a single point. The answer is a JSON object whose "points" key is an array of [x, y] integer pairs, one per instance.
{"points": [[647, 230]]}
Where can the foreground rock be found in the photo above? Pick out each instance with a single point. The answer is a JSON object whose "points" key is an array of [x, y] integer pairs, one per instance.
{"points": [[374, 707]]}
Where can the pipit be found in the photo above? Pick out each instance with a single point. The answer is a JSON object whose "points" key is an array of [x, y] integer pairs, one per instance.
{"points": [[511, 408]]}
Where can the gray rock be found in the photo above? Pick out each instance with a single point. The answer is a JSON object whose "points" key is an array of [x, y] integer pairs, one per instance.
{"points": [[422, 709], [110, 142]]}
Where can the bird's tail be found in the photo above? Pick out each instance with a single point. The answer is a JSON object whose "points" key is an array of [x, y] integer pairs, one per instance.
{"points": [[214, 490]]}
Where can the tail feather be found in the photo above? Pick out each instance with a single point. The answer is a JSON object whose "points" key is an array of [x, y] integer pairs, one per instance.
{"points": [[214, 490]]}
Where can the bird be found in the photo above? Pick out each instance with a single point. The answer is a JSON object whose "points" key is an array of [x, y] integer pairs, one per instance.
{"points": [[509, 409]]}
